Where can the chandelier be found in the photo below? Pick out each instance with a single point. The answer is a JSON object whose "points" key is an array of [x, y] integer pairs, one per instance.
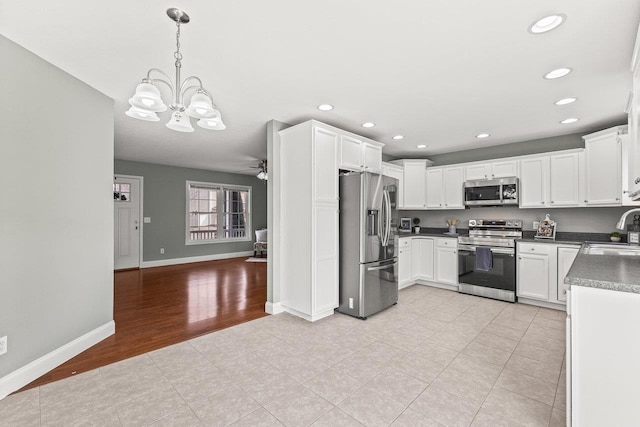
{"points": [[263, 175], [146, 101]]}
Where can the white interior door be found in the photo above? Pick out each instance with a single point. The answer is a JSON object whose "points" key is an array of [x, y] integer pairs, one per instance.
{"points": [[127, 200]]}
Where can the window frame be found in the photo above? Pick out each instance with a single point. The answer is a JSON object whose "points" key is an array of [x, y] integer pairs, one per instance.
{"points": [[221, 188]]}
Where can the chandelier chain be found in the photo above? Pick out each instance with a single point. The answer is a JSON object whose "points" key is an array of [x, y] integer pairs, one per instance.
{"points": [[177, 53]]}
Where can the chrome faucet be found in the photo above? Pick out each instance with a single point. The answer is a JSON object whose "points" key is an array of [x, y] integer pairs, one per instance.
{"points": [[623, 218]]}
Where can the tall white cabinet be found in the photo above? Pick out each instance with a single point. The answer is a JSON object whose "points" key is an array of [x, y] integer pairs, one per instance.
{"points": [[309, 213], [603, 168]]}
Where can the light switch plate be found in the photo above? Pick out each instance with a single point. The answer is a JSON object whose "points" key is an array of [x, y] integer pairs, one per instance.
{"points": [[147, 219]]}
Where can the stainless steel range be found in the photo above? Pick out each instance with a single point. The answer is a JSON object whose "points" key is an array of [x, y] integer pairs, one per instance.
{"points": [[486, 258]]}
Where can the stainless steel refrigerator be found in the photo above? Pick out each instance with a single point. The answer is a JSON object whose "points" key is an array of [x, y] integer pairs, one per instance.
{"points": [[368, 243]]}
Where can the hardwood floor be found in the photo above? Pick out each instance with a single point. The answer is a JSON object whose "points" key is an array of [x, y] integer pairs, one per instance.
{"points": [[157, 307]]}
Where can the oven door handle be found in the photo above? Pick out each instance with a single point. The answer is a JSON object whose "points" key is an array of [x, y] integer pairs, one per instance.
{"points": [[505, 251]]}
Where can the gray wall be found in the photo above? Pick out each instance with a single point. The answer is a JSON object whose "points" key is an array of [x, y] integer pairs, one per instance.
{"points": [[165, 202], [589, 220], [544, 145], [56, 210]]}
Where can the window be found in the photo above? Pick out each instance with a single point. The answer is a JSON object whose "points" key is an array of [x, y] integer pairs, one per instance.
{"points": [[217, 212], [121, 192]]}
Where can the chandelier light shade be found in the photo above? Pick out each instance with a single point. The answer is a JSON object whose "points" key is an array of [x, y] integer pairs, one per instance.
{"points": [[147, 99]]}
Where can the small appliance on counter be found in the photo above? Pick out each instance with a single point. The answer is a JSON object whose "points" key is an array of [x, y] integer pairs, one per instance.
{"points": [[405, 225], [633, 231]]}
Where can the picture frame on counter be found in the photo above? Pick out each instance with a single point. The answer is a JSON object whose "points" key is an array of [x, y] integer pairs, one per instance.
{"points": [[546, 229]]}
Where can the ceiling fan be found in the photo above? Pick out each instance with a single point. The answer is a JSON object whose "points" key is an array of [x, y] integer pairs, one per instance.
{"points": [[261, 168]]}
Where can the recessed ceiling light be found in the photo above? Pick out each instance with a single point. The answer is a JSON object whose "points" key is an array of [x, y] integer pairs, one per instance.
{"points": [[570, 120], [565, 101], [325, 107], [547, 23], [483, 135], [557, 73], [421, 146], [398, 137], [368, 125]]}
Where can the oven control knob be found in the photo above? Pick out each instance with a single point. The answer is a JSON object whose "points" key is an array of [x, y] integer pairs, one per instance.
{"points": [[472, 222], [509, 224]]}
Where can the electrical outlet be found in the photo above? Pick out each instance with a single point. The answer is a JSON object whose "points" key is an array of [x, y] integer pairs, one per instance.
{"points": [[536, 224], [147, 220], [3, 345], [350, 302], [161, 251]]}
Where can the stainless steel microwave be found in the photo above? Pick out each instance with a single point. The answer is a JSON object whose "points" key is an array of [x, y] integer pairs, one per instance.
{"points": [[491, 192]]}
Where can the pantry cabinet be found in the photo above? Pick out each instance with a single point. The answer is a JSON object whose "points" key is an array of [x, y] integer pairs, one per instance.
{"points": [[309, 201]]}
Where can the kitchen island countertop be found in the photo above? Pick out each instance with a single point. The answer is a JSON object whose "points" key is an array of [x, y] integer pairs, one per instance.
{"points": [[614, 272]]}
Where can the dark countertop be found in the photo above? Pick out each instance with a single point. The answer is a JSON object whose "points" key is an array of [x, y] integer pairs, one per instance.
{"points": [[613, 272]]}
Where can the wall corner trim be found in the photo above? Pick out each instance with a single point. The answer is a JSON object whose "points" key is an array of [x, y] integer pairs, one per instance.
{"points": [[273, 307], [34, 370], [187, 260]]}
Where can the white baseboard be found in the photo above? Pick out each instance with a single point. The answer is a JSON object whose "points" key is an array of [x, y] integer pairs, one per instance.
{"points": [[187, 260], [273, 308], [304, 316], [545, 304], [34, 370]]}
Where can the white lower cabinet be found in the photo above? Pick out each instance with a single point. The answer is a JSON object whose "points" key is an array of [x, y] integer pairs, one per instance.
{"points": [[602, 357], [541, 270], [422, 260], [566, 256], [405, 264], [427, 260], [447, 261], [533, 271]]}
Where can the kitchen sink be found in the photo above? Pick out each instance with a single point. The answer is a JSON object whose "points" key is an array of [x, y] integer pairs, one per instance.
{"points": [[611, 249]]}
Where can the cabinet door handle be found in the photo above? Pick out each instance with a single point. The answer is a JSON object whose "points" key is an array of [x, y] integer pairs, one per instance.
{"points": [[637, 181], [455, 252], [586, 201], [617, 199], [519, 257], [552, 201], [492, 175], [543, 203], [564, 292]]}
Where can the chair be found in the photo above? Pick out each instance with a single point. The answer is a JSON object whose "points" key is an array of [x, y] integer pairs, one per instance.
{"points": [[261, 242]]}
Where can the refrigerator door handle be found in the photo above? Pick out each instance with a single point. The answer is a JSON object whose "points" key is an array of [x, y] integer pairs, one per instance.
{"points": [[382, 267], [388, 216]]}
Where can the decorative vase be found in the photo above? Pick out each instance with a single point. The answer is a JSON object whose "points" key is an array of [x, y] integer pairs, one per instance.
{"points": [[417, 229], [614, 239]]}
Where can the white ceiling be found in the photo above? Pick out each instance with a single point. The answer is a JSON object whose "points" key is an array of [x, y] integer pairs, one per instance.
{"points": [[437, 72]]}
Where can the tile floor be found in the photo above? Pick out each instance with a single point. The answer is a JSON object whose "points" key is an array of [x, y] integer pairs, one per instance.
{"points": [[438, 358]]}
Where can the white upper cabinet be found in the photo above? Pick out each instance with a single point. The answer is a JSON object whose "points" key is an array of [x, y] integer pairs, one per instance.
{"points": [[478, 171], [634, 125], [603, 168], [534, 182], [360, 155], [434, 188], [504, 169], [350, 153], [414, 183], [491, 170], [444, 188], [452, 188], [372, 155], [564, 180]]}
